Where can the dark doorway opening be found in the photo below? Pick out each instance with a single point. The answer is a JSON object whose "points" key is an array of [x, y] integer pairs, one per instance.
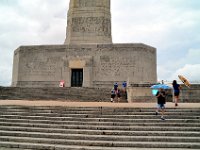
{"points": [[77, 78]]}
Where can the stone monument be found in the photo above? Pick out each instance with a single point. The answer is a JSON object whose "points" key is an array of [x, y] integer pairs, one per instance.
{"points": [[87, 58]]}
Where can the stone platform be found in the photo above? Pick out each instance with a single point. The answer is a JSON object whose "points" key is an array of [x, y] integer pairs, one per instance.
{"points": [[92, 104]]}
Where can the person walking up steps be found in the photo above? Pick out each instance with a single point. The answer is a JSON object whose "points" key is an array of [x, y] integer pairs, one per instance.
{"points": [[161, 103], [124, 86], [176, 88], [117, 92], [116, 86]]}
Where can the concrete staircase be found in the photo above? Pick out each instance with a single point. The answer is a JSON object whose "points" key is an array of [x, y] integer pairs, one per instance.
{"points": [[52, 93], [66, 128]]}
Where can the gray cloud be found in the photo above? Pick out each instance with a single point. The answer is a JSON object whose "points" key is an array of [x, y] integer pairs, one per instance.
{"points": [[172, 26], [31, 22]]}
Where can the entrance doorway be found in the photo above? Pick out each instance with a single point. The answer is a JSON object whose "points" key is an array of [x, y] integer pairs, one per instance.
{"points": [[77, 78]]}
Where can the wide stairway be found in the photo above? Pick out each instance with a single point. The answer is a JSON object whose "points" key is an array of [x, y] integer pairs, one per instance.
{"points": [[67, 128]]}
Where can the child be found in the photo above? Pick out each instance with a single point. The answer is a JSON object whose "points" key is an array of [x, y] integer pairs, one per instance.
{"points": [[112, 95], [161, 102], [115, 94]]}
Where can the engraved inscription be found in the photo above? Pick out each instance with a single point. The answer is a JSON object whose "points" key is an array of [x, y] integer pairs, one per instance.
{"points": [[99, 25], [88, 3], [41, 66], [114, 67], [74, 52]]}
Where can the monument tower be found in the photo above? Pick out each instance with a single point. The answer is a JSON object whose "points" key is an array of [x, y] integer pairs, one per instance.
{"points": [[89, 21], [88, 58]]}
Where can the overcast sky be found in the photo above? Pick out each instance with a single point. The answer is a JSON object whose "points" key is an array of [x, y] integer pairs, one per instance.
{"points": [[171, 26]]}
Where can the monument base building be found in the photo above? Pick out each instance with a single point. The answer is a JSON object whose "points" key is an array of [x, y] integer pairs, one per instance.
{"points": [[88, 58], [84, 65]]}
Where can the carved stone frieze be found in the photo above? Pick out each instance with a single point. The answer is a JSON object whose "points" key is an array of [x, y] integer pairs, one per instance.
{"points": [[98, 25]]}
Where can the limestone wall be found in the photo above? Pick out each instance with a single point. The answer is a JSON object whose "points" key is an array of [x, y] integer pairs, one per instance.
{"points": [[190, 94], [45, 66], [142, 93], [135, 63], [38, 66]]}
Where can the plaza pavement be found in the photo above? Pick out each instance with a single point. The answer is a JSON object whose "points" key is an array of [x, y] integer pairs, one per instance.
{"points": [[92, 104]]}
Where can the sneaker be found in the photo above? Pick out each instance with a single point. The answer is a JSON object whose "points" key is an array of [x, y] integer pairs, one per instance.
{"points": [[156, 113], [111, 100], [162, 118]]}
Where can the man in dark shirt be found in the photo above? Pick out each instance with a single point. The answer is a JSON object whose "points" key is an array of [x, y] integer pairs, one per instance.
{"points": [[161, 103]]}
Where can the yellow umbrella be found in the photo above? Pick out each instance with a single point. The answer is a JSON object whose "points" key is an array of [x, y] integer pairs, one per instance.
{"points": [[184, 80]]}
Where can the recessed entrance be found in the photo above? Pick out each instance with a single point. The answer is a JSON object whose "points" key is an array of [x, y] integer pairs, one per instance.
{"points": [[77, 78]]}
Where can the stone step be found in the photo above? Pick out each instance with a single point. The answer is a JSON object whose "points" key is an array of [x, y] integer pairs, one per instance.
{"points": [[48, 108], [26, 131], [89, 109], [102, 143], [153, 118], [16, 126], [26, 146], [177, 136], [58, 123], [93, 113], [104, 112], [58, 108], [99, 114], [59, 137], [106, 120]]}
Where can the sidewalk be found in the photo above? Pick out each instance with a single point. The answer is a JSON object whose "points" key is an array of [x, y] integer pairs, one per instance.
{"points": [[93, 104]]}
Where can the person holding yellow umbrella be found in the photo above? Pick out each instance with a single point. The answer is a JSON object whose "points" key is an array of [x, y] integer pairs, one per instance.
{"points": [[177, 87]]}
